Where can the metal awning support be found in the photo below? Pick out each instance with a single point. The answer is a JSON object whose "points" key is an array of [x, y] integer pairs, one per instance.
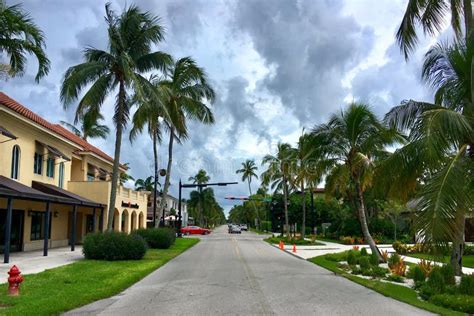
{"points": [[8, 230], [53, 151], [7, 133], [46, 228]]}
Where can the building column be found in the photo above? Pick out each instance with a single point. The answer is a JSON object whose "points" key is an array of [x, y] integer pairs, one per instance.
{"points": [[8, 230], [46, 228], [93, 220], [73, 230], [101, 220]]}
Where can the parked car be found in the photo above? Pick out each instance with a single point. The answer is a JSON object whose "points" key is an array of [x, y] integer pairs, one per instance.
{"points": [[244, 227], [195, 230], [235, 229]]}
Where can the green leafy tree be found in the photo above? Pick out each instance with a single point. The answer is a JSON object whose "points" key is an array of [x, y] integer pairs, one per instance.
{"points": [[355, 138], [89, 126], [120, 69], [183, 93], [439, 158], [430, 15], [278, 174], [248, 172], [19, 36]]}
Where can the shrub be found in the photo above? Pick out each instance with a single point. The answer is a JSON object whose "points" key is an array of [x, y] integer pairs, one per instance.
{"points": [[364, 263], [347, 240], [425, 266], [400, 248], [384, 254], [418, 274], [356, 248], [395, 278], [363, 252], [337, 257], [356, 270], [379, 272], [436, 281], [399, 268], [462, 303], [393, 260], [351, 258], [158, 238], [374, 260], [467, 285], [113, 246], [448, 274], [469, 251]]}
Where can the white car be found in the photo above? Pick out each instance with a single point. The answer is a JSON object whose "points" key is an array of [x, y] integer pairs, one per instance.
{"points": [[235, 229], [243, 227]]}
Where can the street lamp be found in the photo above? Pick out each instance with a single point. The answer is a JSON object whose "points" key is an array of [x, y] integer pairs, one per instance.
{"points": [[194, 185]]}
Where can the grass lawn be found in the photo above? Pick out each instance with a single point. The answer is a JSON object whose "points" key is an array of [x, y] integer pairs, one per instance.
{"points": [[64, 288], [398, 292], [259, 231], [467, 261]]}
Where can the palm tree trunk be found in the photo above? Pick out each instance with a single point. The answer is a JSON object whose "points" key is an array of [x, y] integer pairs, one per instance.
{"points": [[468, 19], [363, 221], [285, 198], [303, 198], [253, 203], [155, 187], [118, 146], [168, 171], [201, 212], [458, 247]]}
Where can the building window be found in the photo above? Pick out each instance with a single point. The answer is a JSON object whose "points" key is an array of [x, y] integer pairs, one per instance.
{"points": [[50, 167], [37, 225], [38, 166], [15, 161], [61, 175]]}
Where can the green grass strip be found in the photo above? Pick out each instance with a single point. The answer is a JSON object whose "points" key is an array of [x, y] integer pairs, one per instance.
{"points": [[398, 292], [467, 261], [64, 288]]}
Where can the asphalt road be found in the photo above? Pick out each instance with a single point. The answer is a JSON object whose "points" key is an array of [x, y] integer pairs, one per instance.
{"points": [[242, 275]]}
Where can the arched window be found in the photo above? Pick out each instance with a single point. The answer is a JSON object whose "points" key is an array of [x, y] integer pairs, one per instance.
{"points": [[15, 162], [61, 175]]}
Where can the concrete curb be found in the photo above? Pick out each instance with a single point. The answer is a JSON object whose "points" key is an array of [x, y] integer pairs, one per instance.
{"points": [[288, 252]]}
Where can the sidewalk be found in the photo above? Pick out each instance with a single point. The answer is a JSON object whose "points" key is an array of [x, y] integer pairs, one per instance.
{"points": [[34, 262], [306, 252]]}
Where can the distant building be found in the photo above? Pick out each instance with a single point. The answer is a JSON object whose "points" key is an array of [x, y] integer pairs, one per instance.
{"points": [[171, 210]]}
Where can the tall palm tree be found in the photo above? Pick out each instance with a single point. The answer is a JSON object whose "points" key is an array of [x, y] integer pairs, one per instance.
{"points": [[184, 92], [19, 36], [124, 176], [130, 38], [248, 172], [355, 138], [430, 14], [145, 185], [149, 113], [200, 178], [441, 148], [278, 174], [89, 126]]}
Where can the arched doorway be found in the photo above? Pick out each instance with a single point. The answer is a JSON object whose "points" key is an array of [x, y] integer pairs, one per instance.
{"points": [[141, 220], [134, 223], [125, 221], [116, 222]]}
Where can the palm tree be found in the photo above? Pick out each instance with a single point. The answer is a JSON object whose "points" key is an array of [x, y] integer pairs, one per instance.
{"points": [[131, 36], [248, 172], [19, 36], [149, 113], [183, 93], [430, 14], [355, 138], [124, 176], [200, 178], [89, 126], [278, 174], [145, 185], [440, 151]]}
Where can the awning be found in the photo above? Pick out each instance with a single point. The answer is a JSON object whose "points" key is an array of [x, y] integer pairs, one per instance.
{"points": [[57, 191], [16, 190], [7, 133], [53, 151]]}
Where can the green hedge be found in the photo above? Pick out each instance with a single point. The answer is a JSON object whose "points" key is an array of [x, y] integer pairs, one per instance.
{"points": [[113, 246], [158, 238]]}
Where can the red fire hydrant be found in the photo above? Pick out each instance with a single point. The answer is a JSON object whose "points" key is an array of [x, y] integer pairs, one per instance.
{"points": [[14, 281]]}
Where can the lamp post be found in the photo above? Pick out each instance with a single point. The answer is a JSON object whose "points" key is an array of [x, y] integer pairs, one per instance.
{"points": [[194, 185]]}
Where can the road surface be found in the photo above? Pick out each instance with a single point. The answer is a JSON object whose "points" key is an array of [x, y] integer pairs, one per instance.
{"points": [[242, 275]]}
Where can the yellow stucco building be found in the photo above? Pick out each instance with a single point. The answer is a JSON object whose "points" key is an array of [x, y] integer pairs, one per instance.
{"points": [[50, 179]]}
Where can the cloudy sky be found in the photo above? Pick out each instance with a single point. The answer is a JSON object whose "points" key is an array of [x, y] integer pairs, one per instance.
{"points": [[278, 66]]}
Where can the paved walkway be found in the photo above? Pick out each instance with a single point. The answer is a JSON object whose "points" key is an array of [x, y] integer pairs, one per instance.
{"points": [[34, 262], [242, 275], [307, 252]]}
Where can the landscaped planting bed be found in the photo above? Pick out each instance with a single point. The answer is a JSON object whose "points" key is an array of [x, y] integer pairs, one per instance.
{"points": [[424, 285], [293, 241]]}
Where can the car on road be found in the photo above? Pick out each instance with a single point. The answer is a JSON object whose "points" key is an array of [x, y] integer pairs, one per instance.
{"points": [[235, 229], [195, 230], [244, 227]]}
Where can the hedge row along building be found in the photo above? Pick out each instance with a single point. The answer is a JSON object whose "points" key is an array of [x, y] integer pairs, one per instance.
{"points": [[54, 186]]}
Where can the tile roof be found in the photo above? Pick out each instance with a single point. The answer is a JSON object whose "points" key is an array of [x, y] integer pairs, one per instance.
{"points": [[55, 128]]}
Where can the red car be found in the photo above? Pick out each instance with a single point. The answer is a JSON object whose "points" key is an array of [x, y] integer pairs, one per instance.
{"points": [[195, 230]]}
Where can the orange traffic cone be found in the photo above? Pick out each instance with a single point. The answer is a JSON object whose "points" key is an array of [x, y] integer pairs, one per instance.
{"points": [[294, 248], [282, 246]]}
